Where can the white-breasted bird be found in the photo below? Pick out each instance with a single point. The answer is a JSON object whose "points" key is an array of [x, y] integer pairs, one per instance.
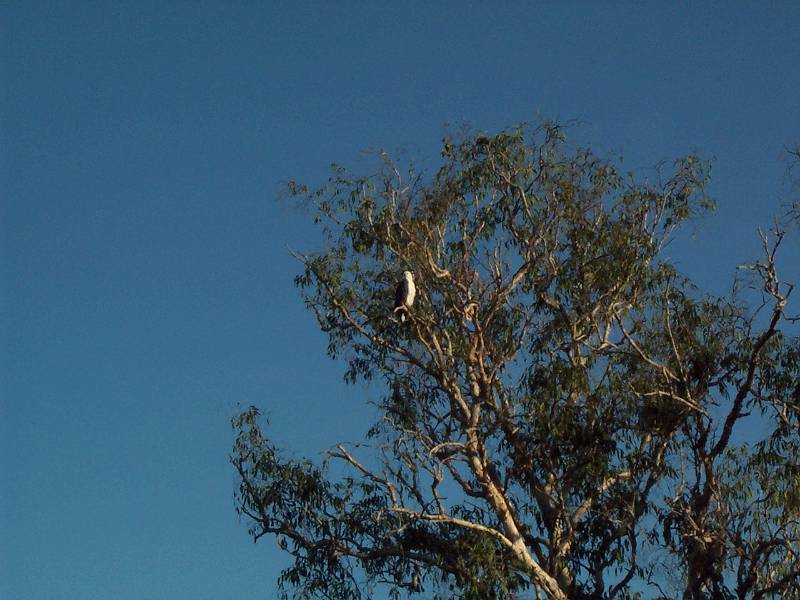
{"points": [[404, 295]]}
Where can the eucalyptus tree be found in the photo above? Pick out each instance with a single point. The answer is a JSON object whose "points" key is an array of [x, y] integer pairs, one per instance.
{"points": [[563, 409]]}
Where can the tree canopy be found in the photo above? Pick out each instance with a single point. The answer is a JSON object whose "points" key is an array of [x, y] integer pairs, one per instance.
{"points": [[562, 407]]}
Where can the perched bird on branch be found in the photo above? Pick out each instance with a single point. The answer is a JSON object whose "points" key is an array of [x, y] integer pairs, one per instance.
{"points": [[404, 295]]}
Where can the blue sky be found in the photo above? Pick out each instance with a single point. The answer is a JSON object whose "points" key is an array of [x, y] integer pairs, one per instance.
{"points": [[145, 284]]}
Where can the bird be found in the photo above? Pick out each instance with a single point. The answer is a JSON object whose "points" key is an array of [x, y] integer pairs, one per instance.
{"points": [[404, 295]]}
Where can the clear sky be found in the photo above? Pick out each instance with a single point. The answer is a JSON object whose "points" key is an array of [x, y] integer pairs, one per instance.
{"points": [[145, 284]]}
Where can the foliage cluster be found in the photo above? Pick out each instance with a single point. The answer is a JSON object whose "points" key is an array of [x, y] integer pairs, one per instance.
{"points": [[561, 406]]}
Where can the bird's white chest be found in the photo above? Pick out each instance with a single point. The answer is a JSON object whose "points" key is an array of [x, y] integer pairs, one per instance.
{"points": [[411, 292]]}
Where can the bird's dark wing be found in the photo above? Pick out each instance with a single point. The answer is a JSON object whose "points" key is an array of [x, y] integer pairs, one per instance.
{"points": [[400, 293]]}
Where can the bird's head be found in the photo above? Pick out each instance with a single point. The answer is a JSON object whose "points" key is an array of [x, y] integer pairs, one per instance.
{"points": [[408, 274]]}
